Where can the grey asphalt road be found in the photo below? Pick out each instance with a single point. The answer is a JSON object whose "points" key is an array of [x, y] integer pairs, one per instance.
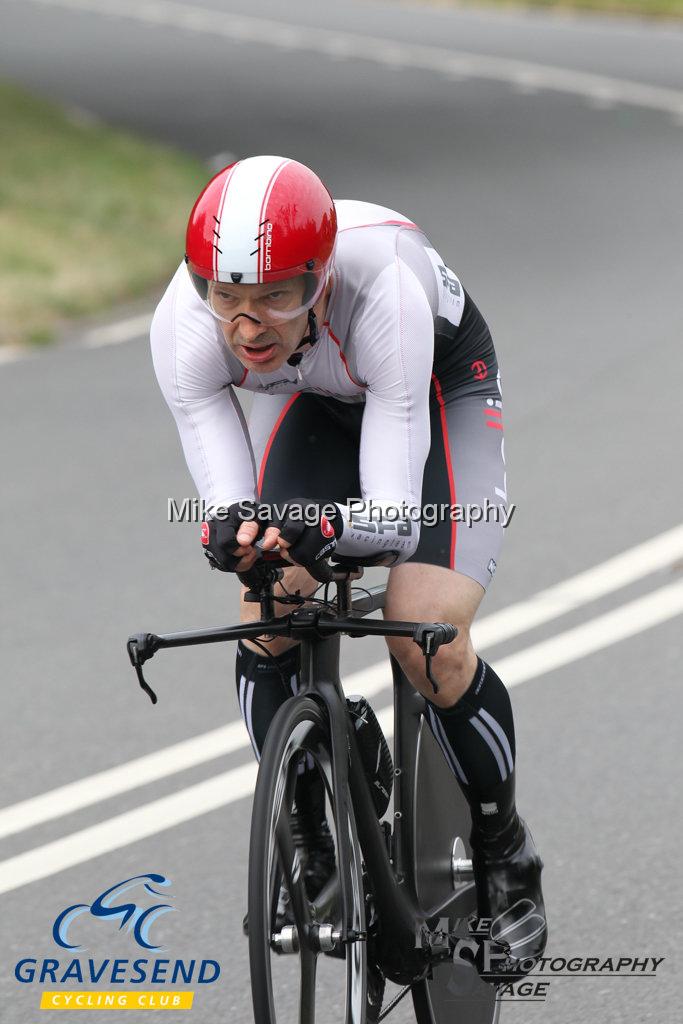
{"points": [[564, 220]]}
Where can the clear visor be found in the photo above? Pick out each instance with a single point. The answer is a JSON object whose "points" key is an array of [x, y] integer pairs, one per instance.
{"points": [[273, 303]]}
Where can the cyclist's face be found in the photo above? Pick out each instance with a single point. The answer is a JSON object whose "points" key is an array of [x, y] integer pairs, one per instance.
{"points": [[256, 333]]}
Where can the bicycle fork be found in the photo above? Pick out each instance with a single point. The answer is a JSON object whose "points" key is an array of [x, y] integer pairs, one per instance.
{"points": [[401, 920]]}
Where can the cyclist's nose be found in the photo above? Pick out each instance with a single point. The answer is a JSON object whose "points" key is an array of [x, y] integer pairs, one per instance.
{"points": [[249, 327]]}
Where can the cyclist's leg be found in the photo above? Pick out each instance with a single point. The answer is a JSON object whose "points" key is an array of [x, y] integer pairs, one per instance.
{"points": [[455, 560], [446, 581], [471, 716]]}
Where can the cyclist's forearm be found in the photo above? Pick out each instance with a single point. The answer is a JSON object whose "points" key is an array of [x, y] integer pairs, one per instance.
{"points": [[378, 527]]}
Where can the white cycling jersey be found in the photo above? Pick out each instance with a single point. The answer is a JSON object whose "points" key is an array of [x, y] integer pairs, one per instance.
{"points": [[376, 346]]}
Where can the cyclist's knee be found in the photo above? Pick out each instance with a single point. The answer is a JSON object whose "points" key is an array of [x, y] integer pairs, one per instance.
{"points": [[419, 592], [453, 667]]}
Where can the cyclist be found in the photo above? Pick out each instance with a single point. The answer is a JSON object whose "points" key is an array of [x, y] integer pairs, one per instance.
{"points": [[374, 379]]}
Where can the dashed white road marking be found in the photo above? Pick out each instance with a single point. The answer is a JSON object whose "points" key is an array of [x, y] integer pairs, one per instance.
{"points": [[389, 52], [227, 787]]}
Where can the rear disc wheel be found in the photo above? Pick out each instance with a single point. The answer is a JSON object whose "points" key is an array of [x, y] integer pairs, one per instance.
{"points": [[442, 826]]}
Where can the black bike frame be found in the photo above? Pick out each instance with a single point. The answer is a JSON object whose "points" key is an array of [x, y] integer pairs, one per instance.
{"points": [[391, 873], [393, 884]]}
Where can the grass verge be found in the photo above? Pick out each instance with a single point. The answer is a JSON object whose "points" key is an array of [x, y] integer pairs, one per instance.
{"points": [[89, 216], [637, 8]]}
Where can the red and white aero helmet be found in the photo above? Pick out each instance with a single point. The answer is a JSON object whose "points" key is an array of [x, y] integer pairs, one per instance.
{"points": [[259, 220]]}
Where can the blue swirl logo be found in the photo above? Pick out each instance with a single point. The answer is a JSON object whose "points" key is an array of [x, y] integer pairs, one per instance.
{"points": [[138, 919]]}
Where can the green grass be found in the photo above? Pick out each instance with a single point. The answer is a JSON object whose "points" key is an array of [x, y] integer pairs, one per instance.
{"points": [[89, 216], [645, 8]]}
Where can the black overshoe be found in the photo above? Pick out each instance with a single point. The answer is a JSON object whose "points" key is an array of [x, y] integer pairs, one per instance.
{"points": [[507, 874]]}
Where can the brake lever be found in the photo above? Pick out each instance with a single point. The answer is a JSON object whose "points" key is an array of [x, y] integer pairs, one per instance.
{"points": [[427, 640], [141, 647], [428, 672]]}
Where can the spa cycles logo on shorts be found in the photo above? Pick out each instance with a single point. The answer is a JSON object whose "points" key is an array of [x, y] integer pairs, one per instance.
{"points": [[131, 908]]}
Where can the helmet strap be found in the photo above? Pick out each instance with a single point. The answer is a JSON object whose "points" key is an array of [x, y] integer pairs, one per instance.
{"points": [[308, 339]]}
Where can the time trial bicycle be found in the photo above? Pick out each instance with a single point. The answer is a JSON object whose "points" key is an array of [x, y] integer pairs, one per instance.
{"points": [[400, 901]]}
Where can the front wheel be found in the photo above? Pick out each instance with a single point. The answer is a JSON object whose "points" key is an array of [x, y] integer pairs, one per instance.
{"points": [[291, 977]]}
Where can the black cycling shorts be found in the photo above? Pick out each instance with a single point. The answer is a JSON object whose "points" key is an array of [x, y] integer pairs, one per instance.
{"points": [[307, 445]]}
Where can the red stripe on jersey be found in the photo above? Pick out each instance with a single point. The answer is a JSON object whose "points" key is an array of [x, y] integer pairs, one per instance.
{"points": [[449, 464], [337, 342], [278, 424]]}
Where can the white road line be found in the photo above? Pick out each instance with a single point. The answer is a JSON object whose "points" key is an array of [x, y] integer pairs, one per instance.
{"points": [[581, 589], [110, 334], [13, 353], [122, 330], [131, 775], [228, 787], [142, 770], [130, 827], [388, 52], [617, 572], [607, 629]]}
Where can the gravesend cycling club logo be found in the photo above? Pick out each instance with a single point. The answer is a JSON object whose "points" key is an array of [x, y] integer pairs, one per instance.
{"points": [[132, 907], [138, 919]]}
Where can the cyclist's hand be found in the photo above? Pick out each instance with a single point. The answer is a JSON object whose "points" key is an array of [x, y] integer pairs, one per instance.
{"points": [[248, 533], [303, 532], [229, 538]]}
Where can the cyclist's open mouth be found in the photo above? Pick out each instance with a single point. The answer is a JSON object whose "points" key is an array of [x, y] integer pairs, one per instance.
{"points": [[258, 353]]}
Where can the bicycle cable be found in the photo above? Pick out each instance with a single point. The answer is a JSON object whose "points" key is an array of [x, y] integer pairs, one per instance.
{"points": [[394, 1002], [273, 658], [295, 598], [361, 590]]}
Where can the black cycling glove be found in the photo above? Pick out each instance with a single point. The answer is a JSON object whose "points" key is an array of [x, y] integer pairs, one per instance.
{"points": [[219, 534], [312, 534]]}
